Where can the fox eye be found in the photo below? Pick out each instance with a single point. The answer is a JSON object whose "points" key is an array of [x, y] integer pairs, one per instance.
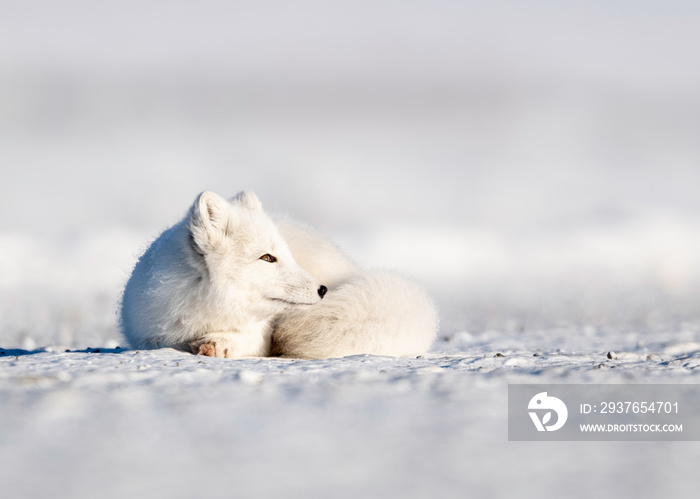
{"points": [[268, 258]]}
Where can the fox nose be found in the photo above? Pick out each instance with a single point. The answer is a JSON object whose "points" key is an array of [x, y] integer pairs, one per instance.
{"points": [[322, 291]]}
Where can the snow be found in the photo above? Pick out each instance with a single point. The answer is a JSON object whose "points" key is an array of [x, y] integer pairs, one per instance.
{"points": [[165, 423], [169, 424], [533, 165]]}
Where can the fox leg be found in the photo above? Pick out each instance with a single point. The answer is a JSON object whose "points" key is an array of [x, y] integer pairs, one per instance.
{"points": [[215, 345], [232, 345]]}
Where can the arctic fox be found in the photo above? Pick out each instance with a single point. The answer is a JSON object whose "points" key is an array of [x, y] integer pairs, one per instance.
{"points": [[228, 281]]}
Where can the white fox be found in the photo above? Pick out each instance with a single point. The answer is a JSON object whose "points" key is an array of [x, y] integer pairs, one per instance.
{"points": [[228, 281]]}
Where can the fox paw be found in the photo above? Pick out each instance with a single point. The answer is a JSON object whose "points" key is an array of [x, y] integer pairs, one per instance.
{"points": [[212, 348]]}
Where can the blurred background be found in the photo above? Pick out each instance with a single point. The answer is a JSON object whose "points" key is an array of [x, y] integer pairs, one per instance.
{"points": [[533, 162]]}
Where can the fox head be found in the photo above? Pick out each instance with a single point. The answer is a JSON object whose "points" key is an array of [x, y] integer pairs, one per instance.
{"points": [[238, 248]]}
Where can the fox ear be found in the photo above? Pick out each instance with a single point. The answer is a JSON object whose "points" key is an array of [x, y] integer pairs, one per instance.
{"points": [[247, 199], [209, 219]]}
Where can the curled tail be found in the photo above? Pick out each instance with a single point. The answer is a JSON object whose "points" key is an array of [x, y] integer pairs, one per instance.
{"points": [[373, 312]]}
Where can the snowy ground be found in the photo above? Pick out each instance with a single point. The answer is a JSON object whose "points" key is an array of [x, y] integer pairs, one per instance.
{"points": [[168, 424], [534, 165], [165, 424]]}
